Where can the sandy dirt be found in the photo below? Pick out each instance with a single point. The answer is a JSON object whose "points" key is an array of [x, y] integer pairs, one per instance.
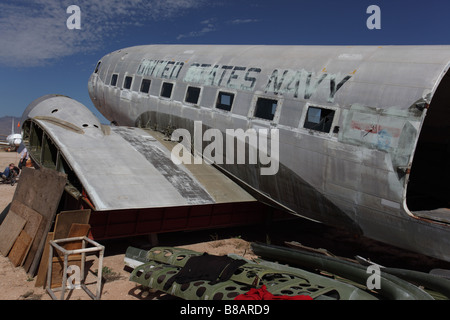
{"points": [[16, 284]]}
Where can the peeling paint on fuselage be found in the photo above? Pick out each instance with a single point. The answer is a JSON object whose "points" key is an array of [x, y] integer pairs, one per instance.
{"points": [[389, 130]]}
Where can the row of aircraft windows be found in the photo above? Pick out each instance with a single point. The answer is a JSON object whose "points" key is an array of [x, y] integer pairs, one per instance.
{"points": [[317, 118]]}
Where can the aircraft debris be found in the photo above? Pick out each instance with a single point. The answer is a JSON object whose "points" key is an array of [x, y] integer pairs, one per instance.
{"points": [[397, 284], [155, 267]]}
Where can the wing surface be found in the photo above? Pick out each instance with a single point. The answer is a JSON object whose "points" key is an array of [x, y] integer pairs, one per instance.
{"points": [[119, 167]]}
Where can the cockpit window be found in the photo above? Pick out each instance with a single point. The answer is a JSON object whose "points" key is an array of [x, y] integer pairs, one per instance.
{"points": [[97, 67]]}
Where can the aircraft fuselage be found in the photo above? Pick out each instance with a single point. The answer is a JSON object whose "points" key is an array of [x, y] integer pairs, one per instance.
{"points": [[357, 126]]}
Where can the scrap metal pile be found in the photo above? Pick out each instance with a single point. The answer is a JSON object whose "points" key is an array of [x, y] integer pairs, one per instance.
{"points": [[315, 276]]}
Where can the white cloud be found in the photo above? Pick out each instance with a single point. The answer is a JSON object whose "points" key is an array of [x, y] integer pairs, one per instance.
{"points": [[34, 32], [242, 21], [209, 26]]}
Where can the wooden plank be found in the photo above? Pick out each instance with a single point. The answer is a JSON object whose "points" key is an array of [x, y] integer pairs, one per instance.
{"points": [[43, 266], [77, 230], [33, 218], [40, 190], [20, 248], [58, 267], [65, 219], [9, 231]]}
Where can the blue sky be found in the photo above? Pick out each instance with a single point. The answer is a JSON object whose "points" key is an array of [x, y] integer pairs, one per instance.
{"points": [[39, 55]]}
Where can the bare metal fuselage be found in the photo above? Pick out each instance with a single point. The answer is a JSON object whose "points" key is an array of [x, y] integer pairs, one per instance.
{"points": [[363, 131], [14, 139]]}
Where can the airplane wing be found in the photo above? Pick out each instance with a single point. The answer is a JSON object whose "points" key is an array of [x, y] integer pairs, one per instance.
{"points": [[119, 167]]}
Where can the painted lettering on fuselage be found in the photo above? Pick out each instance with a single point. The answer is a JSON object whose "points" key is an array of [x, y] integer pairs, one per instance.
{"points": [[303, 84], [166, 69], [233, 77]]}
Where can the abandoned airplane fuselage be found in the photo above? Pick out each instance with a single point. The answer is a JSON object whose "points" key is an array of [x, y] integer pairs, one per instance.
{"points": [[362, 132]]}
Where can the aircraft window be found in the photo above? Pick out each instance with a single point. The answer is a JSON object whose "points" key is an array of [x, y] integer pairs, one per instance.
{"points": [[127, 82], [166, 90], [145, 85], [114, 79], [265, 108], [319, 119], [225, 101], [192, 95], [97, 67]]}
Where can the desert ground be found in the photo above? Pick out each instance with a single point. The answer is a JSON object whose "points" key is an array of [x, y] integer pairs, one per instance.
{"points": [[16, 284]]}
